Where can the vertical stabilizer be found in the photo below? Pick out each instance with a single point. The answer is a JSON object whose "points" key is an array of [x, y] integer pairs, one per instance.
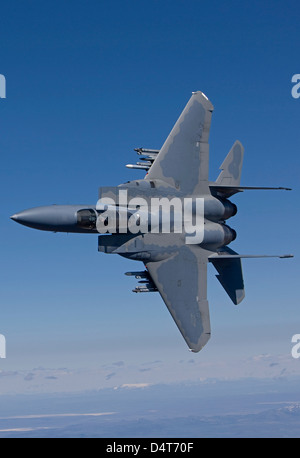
{"points": [[232, 166]]}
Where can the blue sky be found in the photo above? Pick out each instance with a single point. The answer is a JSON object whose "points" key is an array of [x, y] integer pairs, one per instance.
{"points": [[86, 83]]}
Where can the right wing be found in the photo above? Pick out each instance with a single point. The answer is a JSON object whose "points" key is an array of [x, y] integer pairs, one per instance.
{"points": [[182, 282], [183, 159]]}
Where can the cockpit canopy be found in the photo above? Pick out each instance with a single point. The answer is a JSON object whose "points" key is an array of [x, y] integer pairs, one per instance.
{"points": [[87, 218]]}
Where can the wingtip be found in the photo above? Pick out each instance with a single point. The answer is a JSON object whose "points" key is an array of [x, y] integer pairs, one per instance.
{"points": [[199, 92], [204, 99]]}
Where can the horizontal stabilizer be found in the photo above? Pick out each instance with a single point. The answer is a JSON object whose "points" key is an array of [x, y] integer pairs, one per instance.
{"points": [[227, 191], [223, 255], [230, 276]]}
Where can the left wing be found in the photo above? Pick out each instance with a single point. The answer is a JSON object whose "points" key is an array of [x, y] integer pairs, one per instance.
{"points": [[182, 161], [182, 282]]}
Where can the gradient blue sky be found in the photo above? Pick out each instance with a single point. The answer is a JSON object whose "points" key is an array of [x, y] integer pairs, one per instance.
{"points": [[86, 83]]}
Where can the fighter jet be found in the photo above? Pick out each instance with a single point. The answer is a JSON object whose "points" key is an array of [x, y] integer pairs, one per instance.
{"points": [[173, 221]]}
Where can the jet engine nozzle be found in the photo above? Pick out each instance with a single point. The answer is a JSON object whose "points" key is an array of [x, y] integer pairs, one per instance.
{"points": [[230, 209], [218, 209], [234, 208], [229, 234]]}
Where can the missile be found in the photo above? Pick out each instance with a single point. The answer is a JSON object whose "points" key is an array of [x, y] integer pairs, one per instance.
{"points": [[145, 150], [138, 274], [148, 158], [144, 164], [142, 167], [139, 289]]}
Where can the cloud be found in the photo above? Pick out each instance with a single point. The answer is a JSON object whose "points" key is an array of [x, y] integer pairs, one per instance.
{"points": [[119, 373], [8, 373], [29, 377], [119, 363], [56, 415], [22, 430], [264, 357], [134, 385], [109, 376]]}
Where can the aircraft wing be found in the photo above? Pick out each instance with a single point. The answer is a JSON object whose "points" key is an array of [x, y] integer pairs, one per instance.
{"points": [[183, 159], [182, 282]]}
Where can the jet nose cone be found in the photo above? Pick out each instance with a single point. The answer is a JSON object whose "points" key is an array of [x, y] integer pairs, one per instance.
{"points": [[54, 218], [33, 217], [23, 217]]}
